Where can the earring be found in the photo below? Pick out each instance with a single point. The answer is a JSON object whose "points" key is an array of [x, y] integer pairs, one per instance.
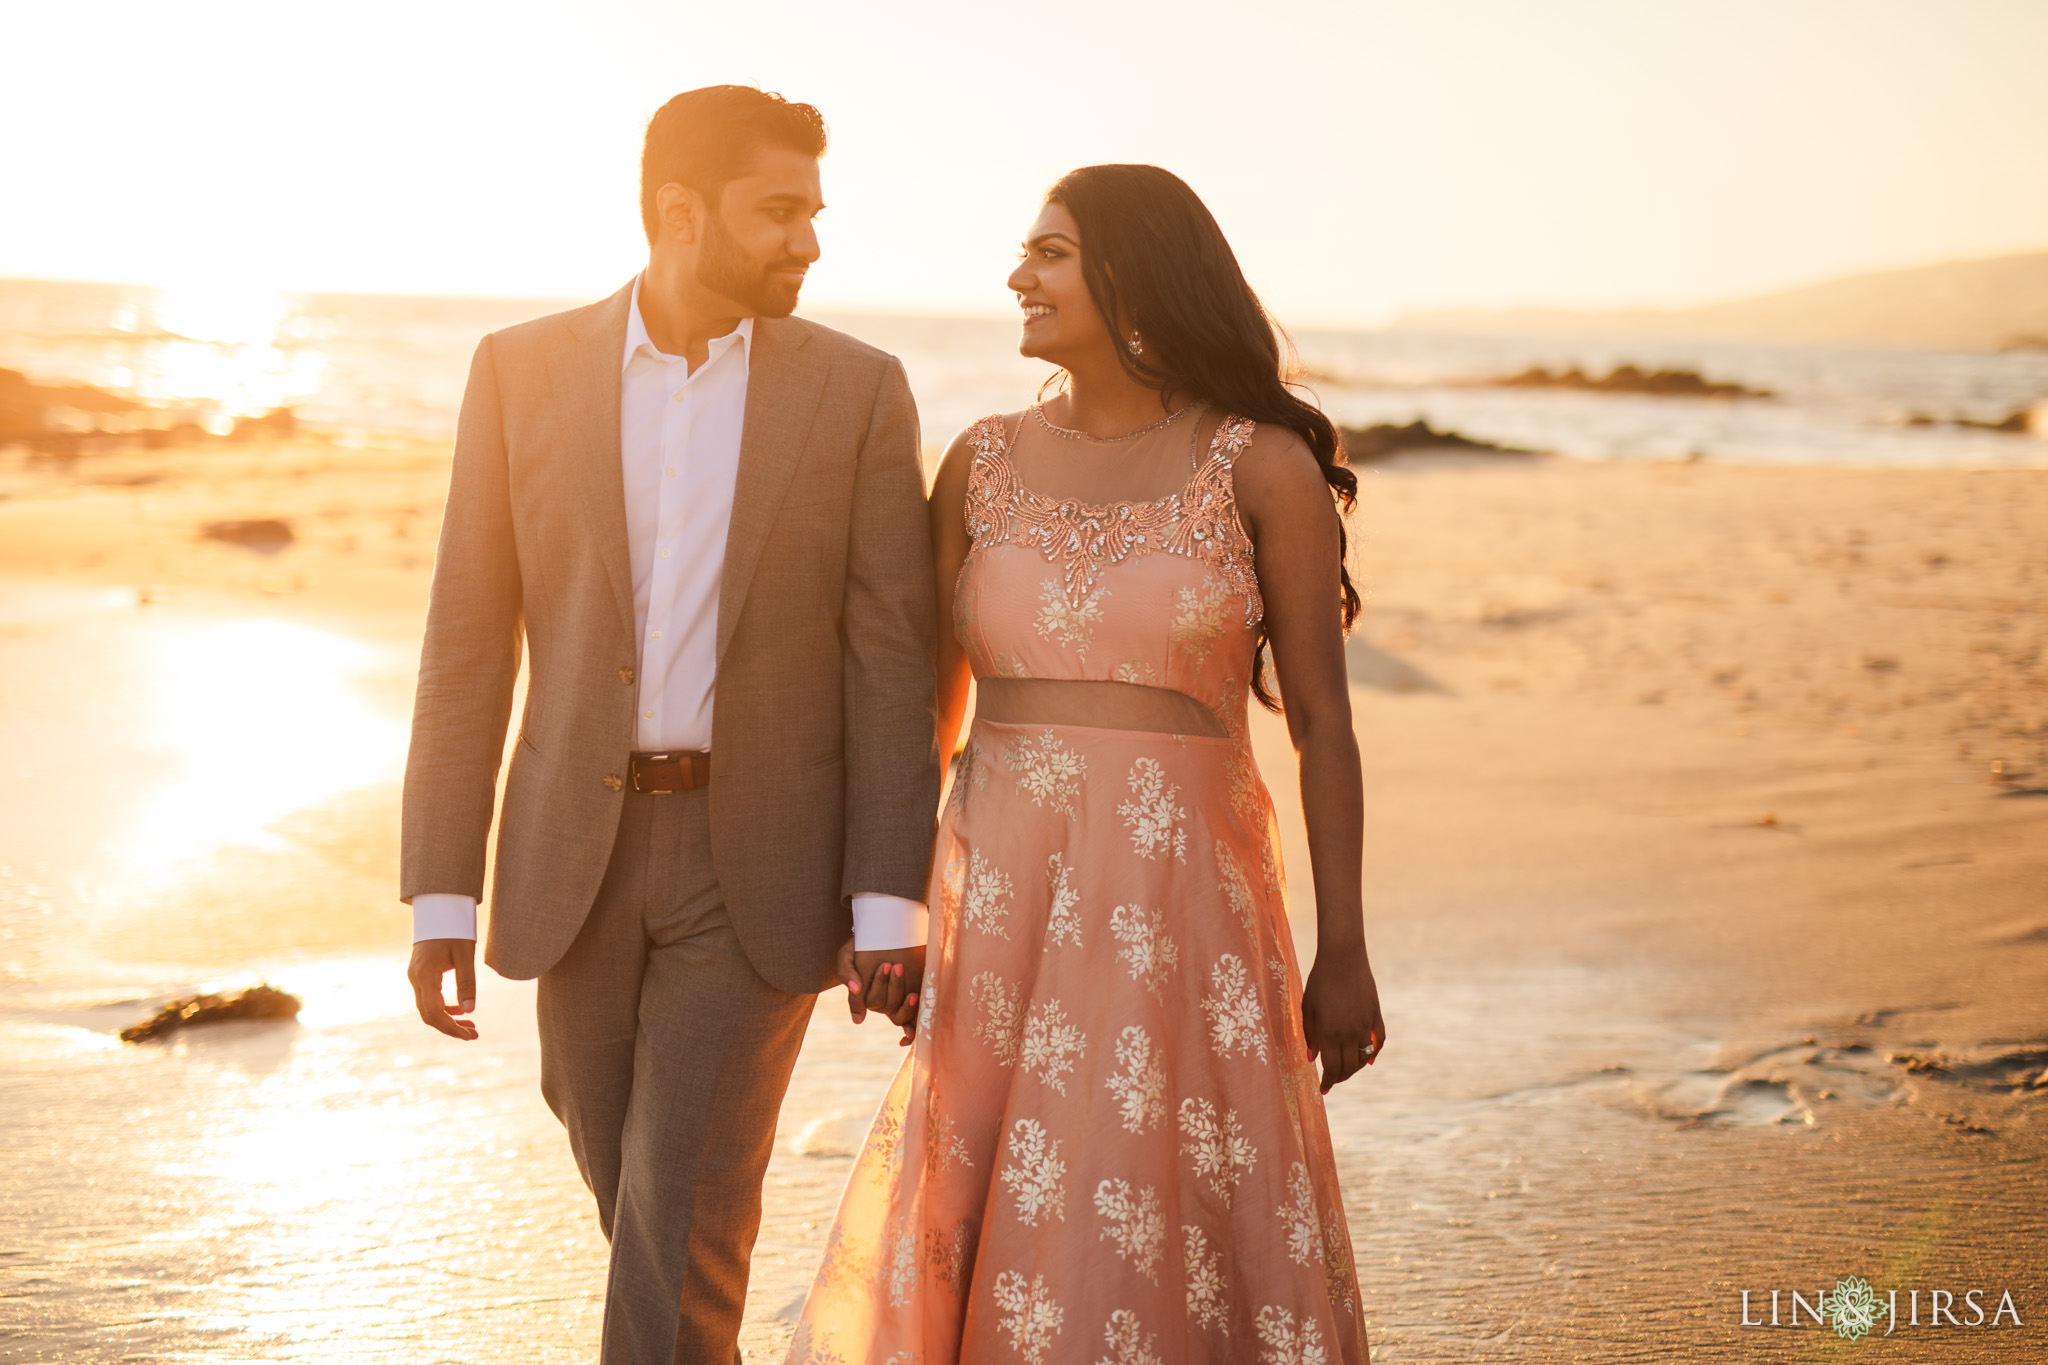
{"points": [[1137, 347]]}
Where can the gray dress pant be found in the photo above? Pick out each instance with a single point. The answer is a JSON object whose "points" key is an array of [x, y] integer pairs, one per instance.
{"points": [[666, 1057]]}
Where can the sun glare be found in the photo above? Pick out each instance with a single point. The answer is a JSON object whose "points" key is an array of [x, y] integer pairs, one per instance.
{"points": [[260, 719], [221, 346]]}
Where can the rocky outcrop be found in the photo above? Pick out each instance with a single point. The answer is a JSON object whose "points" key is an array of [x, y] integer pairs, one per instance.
{"points": [[1363, 445], [265, 535], [53, 416], [258, 1002], [2027, 421], [65, 420], [1629, 379], [278, 422]]}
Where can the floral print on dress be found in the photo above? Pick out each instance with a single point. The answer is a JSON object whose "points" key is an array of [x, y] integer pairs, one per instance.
{"points": [[1037, 1174], [1129, 1343], [1031, 1319], [984, 892], [1000, 1025], [1200, 617], [1153, 813], [969, 774], [1139, 671], [1298, 1217], [943, 1143], [1063, 917], [901, 1271], [1148, 954], [886, 1139], [1049, 772], [1131, 1219], [1067, 617], [1282, 1341], [1140, 1082], [805, 1349], [1237, 889], [1237, 1024], [1051, 1045], [1202, 1271], [1340, 1274], [1219, 1147], [947, 1253]]}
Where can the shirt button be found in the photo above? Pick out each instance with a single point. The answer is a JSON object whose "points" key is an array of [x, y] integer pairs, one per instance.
{"points": [[668, 554], [670, 471], [626, 676], [612, 782], [679, 395], [648, 714], [657, 635]]}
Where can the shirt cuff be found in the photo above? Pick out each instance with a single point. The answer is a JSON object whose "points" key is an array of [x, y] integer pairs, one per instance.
{"points": [[441, 914], [884, 923]]}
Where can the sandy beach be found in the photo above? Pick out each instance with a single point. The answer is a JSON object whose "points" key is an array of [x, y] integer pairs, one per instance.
{"points": [[1706, 875]]}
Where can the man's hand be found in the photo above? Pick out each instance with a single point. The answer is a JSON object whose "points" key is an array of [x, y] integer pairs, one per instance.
{"points": [[886, 982], [433, 959]]}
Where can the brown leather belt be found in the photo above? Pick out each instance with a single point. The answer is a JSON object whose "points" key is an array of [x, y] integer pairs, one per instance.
{"points": [[667, 773]]}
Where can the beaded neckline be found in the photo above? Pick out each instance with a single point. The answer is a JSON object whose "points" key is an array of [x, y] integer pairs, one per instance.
{"points": [[1075, 434], [1196, 521]]}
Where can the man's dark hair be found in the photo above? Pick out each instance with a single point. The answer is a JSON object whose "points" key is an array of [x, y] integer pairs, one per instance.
{"points": [[707, 138]]}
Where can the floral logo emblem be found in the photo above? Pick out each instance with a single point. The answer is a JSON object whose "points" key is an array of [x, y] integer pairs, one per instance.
{"points": [[1852, 1307]]}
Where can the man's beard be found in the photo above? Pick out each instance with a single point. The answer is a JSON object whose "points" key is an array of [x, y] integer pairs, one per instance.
{"points": [[725, 268]]}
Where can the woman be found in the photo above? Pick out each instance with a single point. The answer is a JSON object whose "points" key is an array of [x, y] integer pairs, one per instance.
{"points": [[1107, 1143]]}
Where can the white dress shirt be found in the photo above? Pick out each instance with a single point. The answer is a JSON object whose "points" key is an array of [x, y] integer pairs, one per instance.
{"points": [[679, 442]]}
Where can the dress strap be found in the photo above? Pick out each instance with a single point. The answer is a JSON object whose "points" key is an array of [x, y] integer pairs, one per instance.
{"points": [[991, 481], [1233, 434]]}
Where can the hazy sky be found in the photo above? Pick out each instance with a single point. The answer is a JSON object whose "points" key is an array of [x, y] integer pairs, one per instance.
{"points": [[1364, 157]]}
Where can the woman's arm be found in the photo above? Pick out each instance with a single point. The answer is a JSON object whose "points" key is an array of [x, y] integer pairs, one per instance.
{"points": [[1287, 509], [948, 508]]}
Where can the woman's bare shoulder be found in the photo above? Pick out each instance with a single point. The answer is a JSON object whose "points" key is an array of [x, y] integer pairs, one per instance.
{"points": [[1278, 466]]}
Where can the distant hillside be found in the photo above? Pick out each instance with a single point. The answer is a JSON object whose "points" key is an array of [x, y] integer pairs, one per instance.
{"points": [[1963, 305]]}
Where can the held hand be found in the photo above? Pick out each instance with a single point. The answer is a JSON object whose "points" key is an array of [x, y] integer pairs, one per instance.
{"points": [[1340, 1014], [885, 982], [432, 960]]}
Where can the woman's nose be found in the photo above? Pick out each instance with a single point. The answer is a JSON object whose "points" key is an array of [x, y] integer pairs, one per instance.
{"points": [[1021, 279]]}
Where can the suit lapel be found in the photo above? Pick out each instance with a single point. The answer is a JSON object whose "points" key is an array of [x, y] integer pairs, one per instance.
{"points": [[783, 389], [586, 379]]}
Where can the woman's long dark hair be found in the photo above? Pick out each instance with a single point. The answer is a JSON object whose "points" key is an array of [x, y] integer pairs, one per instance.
{"points": [[1156, 262]]}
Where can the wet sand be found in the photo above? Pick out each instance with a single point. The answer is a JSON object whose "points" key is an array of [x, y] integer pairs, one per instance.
{"points": [[1714, 958]]}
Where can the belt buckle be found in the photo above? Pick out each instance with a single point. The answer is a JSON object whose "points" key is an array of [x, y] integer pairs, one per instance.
{"points": [[651, 758]]}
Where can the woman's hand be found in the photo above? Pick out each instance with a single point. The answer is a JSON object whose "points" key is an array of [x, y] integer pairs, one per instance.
{"points": [[1340, 1013], [885, 982]]}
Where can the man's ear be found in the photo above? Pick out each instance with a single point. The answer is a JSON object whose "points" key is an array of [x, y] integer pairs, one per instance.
{"points": [[680, 211]]}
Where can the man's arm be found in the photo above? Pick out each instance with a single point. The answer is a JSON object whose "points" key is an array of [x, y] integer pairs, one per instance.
{"points": [[892, 764], [468, 666]]}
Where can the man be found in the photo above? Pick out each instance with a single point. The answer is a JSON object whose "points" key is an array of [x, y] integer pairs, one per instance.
{"points": [[705, 519]]}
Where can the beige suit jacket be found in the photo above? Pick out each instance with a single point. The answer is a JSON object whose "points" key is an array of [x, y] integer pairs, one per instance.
{"points": [[825, 770]]}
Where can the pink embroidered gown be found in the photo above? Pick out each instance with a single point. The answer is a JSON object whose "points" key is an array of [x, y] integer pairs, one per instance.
{"points": [[1106, 1144]]}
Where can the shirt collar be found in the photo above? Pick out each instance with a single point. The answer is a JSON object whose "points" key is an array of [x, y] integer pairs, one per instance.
{"points": [[636, 335]]}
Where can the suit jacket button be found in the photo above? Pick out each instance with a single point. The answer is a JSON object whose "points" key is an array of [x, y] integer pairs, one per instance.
{"points": [[626, 676], [612, 782]]}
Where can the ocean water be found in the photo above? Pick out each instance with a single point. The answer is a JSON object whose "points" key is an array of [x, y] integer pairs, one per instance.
{"points": [[364, 367]]}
